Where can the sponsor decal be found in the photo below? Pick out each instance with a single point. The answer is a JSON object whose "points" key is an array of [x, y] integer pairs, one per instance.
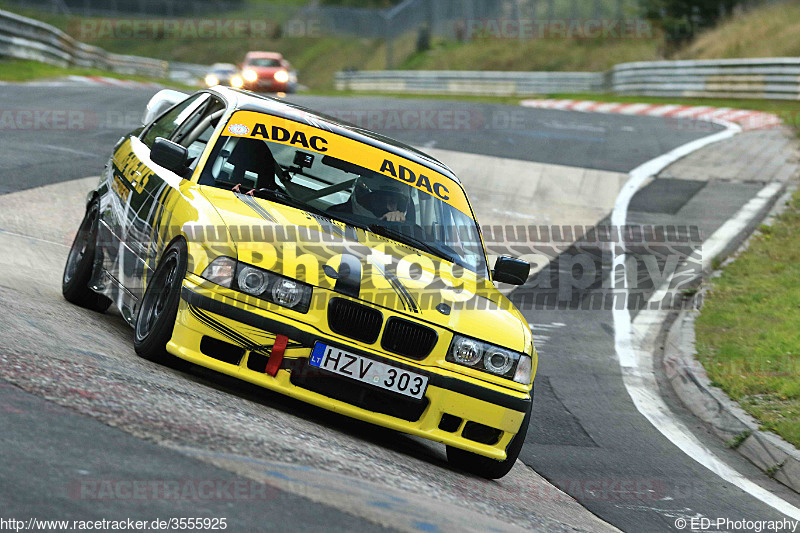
{"points": [[238, 129], [318, 139]]}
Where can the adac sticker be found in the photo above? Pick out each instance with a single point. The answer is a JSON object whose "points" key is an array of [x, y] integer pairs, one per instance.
{"points": [[238, 129], [286, 131]]}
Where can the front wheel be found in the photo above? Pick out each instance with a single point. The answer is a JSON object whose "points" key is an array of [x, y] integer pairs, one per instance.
{"points": [[486, 467], [80, 263], [156, 319]]}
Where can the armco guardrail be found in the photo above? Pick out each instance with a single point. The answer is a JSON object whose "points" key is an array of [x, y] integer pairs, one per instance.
{"points": [[765, 78], [24, 38], [768, 78], [470, 82]]}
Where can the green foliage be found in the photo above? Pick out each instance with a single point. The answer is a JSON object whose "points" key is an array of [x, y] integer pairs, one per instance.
{"points": [[683, 19], [748, 332], [737, 440]]}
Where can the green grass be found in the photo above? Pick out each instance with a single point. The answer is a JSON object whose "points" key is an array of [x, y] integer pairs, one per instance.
{"points": [[748, 333], [534, 54], [316, 58], [768, 31], [19, 70]]}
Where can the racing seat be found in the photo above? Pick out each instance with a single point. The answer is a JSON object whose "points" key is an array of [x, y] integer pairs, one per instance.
{"points": [[253, 156]]}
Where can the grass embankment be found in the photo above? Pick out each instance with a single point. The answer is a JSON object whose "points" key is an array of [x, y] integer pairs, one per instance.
{"points": [[748, 333], [763, 31], [534, 54], [768, 31], [19, 70], [316, 58]]}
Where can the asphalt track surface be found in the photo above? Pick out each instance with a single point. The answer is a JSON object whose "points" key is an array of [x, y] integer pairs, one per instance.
{"points": [[586, 437]]}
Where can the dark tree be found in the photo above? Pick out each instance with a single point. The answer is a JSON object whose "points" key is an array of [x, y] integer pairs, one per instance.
{"points": [[682, 19]]}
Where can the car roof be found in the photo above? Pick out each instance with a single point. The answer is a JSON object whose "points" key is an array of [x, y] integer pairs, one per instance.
{"points": [[270, 55], [246, 101]]}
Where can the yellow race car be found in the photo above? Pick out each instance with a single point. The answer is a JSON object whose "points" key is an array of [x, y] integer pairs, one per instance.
{"points": [[313, 258]]}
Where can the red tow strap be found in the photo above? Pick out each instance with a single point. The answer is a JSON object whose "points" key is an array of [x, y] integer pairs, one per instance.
{"points": [[276, 355]]}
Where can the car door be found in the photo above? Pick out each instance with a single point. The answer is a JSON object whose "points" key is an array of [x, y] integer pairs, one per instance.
{"points": [[134, 190], [194, 129]]}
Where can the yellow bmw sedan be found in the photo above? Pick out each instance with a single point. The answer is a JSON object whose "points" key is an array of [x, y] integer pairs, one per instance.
{"points": [[312, 258]]}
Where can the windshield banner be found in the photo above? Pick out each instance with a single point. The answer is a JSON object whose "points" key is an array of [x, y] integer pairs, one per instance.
{"points": [[304, 137]]}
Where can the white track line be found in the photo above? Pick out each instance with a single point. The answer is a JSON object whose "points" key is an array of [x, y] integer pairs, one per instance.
{"points": [[633, 343]]}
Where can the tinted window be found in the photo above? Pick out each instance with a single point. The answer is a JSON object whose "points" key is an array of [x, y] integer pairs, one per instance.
{"points": [[168, 123], [263, 62]]}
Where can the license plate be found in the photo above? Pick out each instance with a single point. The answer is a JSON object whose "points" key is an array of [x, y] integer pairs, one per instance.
{"points": [[368, 370]]}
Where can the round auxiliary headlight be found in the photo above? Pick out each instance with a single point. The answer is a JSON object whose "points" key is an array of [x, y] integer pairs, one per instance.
{"points": [[212, 80], [286, 293], [467, 352], [237, 82], [498, 362], [252, 281]]}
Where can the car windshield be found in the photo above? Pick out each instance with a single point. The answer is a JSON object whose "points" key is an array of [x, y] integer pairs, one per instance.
{"points": [[264, 62], [281, 160]]}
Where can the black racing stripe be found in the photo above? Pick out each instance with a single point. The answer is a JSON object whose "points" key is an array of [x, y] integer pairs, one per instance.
{"points": [[232, 334], [221, 328], [255, 206], [401, 291], [216, 325], [393, 283], [308, 339]]}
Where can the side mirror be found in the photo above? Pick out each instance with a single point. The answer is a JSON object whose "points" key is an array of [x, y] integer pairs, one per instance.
{"points": [[169, 155], [511, 270]]}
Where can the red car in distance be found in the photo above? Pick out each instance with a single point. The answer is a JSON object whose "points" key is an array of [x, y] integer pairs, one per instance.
{"points": [[268, 72]]}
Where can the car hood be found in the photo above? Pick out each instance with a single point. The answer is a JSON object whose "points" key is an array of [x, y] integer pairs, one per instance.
{"points": [[265, 71], [373, 268]]}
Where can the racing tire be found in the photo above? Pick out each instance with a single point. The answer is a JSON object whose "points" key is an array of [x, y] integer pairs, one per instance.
{"points": [[486, 467], [80, 263], [156, 319]]}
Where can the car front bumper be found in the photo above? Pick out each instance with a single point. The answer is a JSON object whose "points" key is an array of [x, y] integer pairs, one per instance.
{"points": [[466, 404]]}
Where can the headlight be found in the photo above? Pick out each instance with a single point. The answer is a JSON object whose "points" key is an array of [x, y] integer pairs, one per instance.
{"points": [[498, 361], [273, 287], [237, 82], [260, 283], [252, 280], [466, 351], [281, 76], [249, 75], [212, 80], [489, 358], [286, 292], [221, 271]]}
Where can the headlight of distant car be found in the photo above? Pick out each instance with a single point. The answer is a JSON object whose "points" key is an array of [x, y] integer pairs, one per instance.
{"points": [[281, 76], [237, 82], [212, 80], [489, 358], [249, 75], [260, 283]]}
